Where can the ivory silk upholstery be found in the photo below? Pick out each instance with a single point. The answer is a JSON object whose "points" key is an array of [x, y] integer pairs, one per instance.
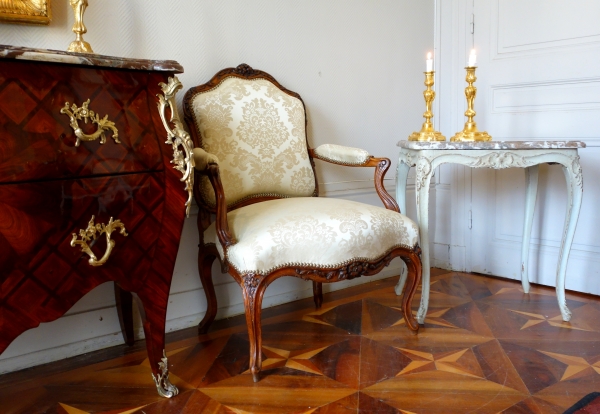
{"points": [[322, 232], [342, 154], [258, 134]]}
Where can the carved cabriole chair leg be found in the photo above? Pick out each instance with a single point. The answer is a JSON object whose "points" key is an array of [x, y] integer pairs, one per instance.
{"points": [[206, 258], [318, 294], [253, 288]]}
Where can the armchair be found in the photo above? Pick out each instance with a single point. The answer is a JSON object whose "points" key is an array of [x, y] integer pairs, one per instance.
{"points": [[255, 172]]}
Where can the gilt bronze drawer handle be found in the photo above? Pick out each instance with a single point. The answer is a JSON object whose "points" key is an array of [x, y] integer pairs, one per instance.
{"points": [[85, 113], [96, 230], [178, 137]]}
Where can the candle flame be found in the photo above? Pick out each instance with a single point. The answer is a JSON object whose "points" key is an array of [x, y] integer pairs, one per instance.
{"points": [[429, 55]]}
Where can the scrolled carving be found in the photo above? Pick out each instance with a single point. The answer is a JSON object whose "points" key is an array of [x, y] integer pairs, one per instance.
{"points": [[501, 160], [251, 282], [417, 250], [183, 158], [406, 158], [244, 70], [577, 172], [348, 272], [423, 170]]}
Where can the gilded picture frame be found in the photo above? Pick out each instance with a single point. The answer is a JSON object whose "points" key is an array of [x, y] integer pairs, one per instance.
{"points": [[25, 11]]}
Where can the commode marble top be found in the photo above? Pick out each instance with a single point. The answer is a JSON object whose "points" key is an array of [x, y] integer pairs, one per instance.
{"points": [[88, 59], [489, 145]]}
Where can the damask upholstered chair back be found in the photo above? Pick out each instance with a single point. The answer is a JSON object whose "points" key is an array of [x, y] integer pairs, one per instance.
{"points": [[257, 130]]}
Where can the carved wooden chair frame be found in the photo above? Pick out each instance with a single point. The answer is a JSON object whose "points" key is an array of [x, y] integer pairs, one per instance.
{"points": [[254, 285]]}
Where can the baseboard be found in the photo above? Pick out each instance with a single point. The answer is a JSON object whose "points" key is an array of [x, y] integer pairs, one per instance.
{"points": [[441, 256], [44, 356], [237, 308]]}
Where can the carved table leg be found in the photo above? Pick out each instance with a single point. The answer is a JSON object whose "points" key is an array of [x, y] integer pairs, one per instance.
{"points": [[531, 179], [318, 294], [253, 289], [401, 177], [152, 302], [423, 179], [205, 261], [575, 193], [124, 309]]}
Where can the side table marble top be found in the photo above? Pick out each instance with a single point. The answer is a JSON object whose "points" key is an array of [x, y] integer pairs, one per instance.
{"points": [[427, 156], [490, 145]]}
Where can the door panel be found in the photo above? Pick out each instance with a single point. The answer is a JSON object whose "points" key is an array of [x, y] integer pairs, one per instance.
{"points": [[538, 78]]}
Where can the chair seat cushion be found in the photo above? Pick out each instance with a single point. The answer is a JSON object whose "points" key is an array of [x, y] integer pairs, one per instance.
{"points": [[311, 231]]}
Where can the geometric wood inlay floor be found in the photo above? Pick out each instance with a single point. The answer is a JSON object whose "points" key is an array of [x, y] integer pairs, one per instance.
{"points": [[485, 347]]}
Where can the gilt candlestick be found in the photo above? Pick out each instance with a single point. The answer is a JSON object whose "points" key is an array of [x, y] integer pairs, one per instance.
{"points": [[427, 133], [470, 131], [79, 45]]}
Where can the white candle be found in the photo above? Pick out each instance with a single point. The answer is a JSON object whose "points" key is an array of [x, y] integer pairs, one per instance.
{"points": [[472, 59], [429, 62]]}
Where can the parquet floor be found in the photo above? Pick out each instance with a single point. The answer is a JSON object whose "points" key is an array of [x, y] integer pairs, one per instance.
{"points": [[485, 348]]}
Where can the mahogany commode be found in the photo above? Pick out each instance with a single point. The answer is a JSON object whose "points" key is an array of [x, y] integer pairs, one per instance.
{"points": [[62, 190]]}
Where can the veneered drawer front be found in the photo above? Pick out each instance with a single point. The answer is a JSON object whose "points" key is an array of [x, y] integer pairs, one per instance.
{"points": [[40, 270], [37, 141]]}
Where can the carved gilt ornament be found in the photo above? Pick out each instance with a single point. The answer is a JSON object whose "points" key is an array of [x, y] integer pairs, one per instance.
{"points": [[177, 137], [26, 11], [76, 114]]}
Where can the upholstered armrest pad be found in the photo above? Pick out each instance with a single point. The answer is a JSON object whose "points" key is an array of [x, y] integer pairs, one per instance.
{"points": [[341, 154], [203, 158]]}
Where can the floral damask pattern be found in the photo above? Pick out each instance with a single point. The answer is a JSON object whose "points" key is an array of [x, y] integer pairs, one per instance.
{"points": [[258, 133], [299, 231], [303, 180], [352, 223], [261, 127], [387, 227], [219, 117]]}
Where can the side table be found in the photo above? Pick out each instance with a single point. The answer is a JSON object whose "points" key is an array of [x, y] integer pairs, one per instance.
{"points": [[427, 156]]}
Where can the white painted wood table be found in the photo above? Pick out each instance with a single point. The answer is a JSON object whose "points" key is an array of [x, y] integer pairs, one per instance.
{"points": [[427, 156]]}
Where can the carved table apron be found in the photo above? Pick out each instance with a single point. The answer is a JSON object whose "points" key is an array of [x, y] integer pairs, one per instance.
{"points": [[427, 156], [88, 192]]}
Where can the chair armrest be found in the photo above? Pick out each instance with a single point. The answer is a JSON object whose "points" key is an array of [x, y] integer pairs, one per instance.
{"points": [[339, 154], [202, 159], [356, 157], [222, 226]]}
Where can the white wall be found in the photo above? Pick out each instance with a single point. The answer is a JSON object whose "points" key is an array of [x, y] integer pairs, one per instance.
{"points": [[357, 64]]}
